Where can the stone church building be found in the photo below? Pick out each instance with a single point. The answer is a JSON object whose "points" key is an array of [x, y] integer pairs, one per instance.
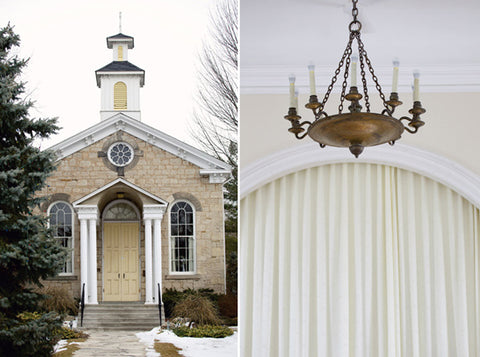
{"points": [[138, 208]]}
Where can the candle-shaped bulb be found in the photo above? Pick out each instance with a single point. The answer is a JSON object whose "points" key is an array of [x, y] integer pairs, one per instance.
{"points": [[296, 100], [291, 79], [353, 73], [396, 63], [311, 73], [416, 86]]}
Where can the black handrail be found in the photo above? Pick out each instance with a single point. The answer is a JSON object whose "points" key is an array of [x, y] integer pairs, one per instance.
{"points": [[159, 303], [82, 305]]}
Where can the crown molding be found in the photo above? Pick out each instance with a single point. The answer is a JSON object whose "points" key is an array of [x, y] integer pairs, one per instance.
{"points": [[433, 79]]}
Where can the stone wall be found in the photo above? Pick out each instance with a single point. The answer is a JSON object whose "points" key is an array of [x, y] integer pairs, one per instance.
{"points": [[161, 174]]}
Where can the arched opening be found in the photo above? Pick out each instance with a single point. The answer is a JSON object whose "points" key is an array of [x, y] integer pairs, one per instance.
{"points": [[341, 250]]}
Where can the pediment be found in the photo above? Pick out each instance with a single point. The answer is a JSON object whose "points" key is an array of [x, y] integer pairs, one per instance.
{"points": [[111, 191], [217, 170]]}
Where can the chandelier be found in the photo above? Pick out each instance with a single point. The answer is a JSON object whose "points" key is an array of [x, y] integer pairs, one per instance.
{"points": [[355, 129]]}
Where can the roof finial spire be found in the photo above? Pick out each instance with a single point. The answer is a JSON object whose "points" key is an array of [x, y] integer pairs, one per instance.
{"points": [[120, 22]]}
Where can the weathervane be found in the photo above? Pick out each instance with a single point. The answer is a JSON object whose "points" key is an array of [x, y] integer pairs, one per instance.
{"points": [[120, 22]]}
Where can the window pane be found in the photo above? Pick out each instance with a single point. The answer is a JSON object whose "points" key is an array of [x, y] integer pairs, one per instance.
{"points": [[181, 216], [61, 222], [182, 242]]}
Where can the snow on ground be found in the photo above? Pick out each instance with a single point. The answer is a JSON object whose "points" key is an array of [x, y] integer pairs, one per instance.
{"points": [[60, 346], [191, 346]]}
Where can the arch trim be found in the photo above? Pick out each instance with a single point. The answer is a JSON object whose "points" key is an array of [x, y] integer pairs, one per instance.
{"points": [[433, 166]]}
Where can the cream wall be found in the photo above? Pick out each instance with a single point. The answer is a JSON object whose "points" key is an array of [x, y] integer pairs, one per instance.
{"points": [[451, 130]]}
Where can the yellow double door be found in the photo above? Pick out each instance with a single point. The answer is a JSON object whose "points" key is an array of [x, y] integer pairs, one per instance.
{"points": [[121, 278]]}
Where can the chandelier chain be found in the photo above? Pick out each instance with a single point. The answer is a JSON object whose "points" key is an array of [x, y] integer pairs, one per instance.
{"points": [[372, 72], [338, 70], [345, 77], [361, 55], [354, 10]]}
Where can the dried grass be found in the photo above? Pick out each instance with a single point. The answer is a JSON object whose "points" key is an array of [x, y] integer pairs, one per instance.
{"points": [[59, 300], [167, 349], [198, 309]]}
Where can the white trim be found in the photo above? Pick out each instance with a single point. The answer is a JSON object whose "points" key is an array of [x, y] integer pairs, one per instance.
{"points": [[116, 202], [273, 79], [170, 272], [114, 182], [144, 132], [73, 233], [109, 152], [216, 176], [438, 168]]}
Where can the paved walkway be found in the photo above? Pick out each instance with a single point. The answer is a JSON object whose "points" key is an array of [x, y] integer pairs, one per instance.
{"points": [[111, 344]]}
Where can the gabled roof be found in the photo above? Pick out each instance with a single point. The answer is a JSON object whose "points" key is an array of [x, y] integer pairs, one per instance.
{"points": [[126, 183], [120, 66], [217, 170], [120, 37]]}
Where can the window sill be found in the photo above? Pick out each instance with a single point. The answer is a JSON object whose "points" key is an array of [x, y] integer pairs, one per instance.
{"points": [[63, 278], [182, 277]]}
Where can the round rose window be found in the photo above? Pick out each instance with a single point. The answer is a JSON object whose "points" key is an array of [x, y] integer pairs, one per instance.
{"points": [[120, 154]]}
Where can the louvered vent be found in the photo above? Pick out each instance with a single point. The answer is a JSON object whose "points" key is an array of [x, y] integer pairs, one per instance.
{"points": [[120, 96], [120, 53]]}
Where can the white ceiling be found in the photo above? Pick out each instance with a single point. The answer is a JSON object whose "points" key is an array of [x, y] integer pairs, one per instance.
{"points": [[440, 38]]}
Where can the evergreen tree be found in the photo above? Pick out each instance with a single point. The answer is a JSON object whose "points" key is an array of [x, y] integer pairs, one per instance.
{"points": [[28, 252]]}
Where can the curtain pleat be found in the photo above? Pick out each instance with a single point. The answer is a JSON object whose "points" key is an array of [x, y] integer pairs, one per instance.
{"points": [[358, 260]]}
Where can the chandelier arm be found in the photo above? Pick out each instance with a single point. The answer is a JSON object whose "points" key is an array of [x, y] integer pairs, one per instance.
{"points": [[337, 71], [406, 127], [300, 137], [388, 111]]}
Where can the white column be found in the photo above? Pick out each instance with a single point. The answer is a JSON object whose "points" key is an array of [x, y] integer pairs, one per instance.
{"points": [[88, 214], [84, 257], [157, 256], [154, 268], [92, 255], [148, 262]]}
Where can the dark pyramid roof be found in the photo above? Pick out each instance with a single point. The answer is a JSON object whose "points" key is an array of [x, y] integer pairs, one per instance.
{"points": [[120, 66], [120, 36]]}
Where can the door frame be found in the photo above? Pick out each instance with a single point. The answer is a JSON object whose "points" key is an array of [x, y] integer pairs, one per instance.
{"points": [[138, 220]]}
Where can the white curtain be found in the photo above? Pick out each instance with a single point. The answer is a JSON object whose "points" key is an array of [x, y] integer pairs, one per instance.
{"points": [[358, 260]]}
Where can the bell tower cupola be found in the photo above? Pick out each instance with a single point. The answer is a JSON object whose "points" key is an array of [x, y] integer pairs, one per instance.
{"points": [[120, 81]]}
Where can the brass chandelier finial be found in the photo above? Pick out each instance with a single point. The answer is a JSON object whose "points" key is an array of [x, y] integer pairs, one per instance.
{"points": [[355, 129]]}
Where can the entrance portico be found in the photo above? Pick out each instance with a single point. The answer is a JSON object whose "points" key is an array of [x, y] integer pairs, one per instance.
{"points": [[117, 272]]}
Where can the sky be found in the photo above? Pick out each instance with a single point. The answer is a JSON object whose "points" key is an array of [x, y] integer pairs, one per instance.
{"points": [[66, 43]]}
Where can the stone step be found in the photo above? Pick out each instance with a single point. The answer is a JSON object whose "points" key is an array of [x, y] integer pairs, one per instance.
{"points": [[121, 316]]}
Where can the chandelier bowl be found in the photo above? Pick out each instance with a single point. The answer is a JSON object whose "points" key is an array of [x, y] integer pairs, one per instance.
{"points": [[365, 129]]}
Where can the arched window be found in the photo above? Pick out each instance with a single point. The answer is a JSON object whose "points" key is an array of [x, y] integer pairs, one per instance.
{"points": [[120, 96], [120, 211], [182, 238], [120, 53], [61, 221]]}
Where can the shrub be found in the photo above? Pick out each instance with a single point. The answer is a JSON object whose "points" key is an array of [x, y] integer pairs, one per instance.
{"points": [[203, 331], [198, 309], [32, 334], [65, 333], [171, 297], [227, 305], [59, 300]]}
